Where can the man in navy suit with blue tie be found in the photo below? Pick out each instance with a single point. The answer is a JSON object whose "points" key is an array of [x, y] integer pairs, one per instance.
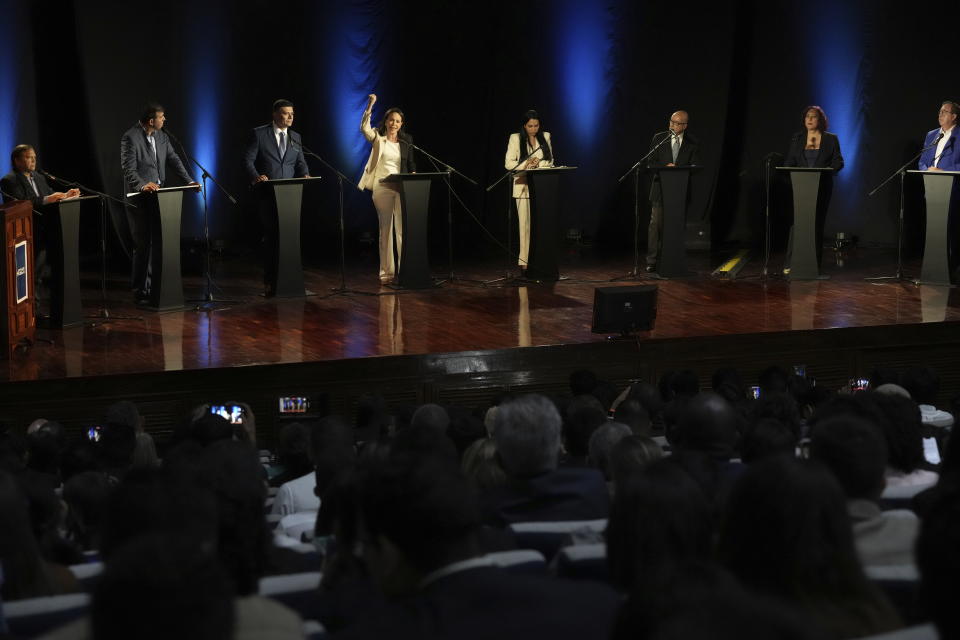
{"points": [[145, 153], [274, 152], [942, 152]]}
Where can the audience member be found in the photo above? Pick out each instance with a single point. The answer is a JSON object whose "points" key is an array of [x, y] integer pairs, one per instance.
{"points": [[293, 460], [373, 418], [432, 416], [907, 473], [332, 450], [786, 534], [649, 397], [938, 558], [481, 465], [708, 424], [419, 521], [630, 455], [855, 452], [86, 495], [25, 572], [465, 429], [659, 521], [527, 436], [118, 441], [767, 438], [584, 414], [923, 383], [773, 380], [780, 407], [632, 413], [602, 442]]}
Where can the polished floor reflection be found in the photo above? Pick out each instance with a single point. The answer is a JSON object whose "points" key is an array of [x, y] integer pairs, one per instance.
{"points": [[462, 315]]}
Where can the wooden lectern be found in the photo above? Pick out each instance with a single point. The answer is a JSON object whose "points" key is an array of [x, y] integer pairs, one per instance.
{"points": [[19, 323]]}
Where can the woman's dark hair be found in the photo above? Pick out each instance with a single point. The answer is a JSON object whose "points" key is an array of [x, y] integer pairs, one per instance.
{"points": [[902, 428], [401, 134], [23, 572], [787, 533], [659, 521], [525, 147], [822, 122], [766, 438]]}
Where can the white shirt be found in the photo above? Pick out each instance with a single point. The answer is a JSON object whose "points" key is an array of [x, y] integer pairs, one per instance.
{"points": [[941, 145], [297, 496], [389, 161], [929, 414], [276, 136]]}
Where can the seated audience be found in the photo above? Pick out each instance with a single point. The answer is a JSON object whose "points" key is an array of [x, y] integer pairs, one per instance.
{"points": [[331, 451], [584, 415], [527, 436], [419, 523], [908, 472], [293, 461], [481, 466], [923, 383], [938, 558], [767, 438], [86, 495], [786, 534], [630, 455], [601, 445], [855, 452], [632, 413]]}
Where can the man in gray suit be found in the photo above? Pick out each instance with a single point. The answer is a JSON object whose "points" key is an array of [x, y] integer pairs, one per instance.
{"points": [[145, 152]]}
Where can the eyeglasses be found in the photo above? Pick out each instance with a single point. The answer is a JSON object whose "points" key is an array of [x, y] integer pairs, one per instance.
{"points": [[679, 124]]}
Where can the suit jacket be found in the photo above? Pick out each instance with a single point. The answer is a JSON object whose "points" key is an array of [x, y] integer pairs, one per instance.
{"points": [[407, 162], [950, 160], [139, 164], [510, 160], [262, 156], [688, 155], [829, 155], [17, 185], [488, 602], [563, 494]]}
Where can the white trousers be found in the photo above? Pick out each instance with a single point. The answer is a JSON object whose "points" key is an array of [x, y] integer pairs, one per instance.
{"points": [[523, 219], [387, 202]]}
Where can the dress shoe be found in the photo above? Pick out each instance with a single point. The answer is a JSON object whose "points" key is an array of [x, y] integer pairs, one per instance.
{"points": [[651, 268]]}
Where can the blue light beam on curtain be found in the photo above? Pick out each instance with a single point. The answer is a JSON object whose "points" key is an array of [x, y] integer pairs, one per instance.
{"points": [[352, 52], [204, 70], [836, 48], [9, 82], [583, 58]]}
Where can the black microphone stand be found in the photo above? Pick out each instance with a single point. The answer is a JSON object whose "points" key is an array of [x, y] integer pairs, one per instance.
{"points": [[342, 289], [447, 169], [507, 279], [103, 314], [902, 171], [635, 170], [207, 301]]}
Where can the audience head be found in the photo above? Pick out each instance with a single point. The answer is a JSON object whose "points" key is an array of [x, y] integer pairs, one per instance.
{"points": [[465, 429], [481, 465], [938, 559], [45, 447], [432, 416], [527, 436], [124, 412], [787, 533], [728, 383], [781, 407], [707, 423], [772, 380], [854, 451], [630, 455], [632, 413], [332, 450], [426, 441], [417, 514], [659, 521], [293, 448], [902, 430], [159, 587], [373, 417], [602, 443], [23, 572], [583, 416], [210, 428], [767, 438], [86, 495], [117, 444], [923, 383]]}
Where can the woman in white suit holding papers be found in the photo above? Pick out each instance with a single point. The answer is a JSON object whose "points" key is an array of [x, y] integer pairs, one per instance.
{"points": [[531, 148]]}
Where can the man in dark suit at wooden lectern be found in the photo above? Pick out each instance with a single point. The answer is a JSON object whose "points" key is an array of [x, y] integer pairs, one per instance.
{"points": [[677, 148], [274, 152]]}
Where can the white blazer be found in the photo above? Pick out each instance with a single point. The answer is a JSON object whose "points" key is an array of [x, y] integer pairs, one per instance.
{"points": [[367, 180], [520, 189]]}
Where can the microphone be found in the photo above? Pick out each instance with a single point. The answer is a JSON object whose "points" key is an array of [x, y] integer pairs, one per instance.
{"points": [[939, 138]]}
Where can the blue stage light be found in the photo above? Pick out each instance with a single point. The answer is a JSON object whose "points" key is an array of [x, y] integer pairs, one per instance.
{"points": [[583, 33], [9, 81], [350, 47], [836, 47], [205, 70]]}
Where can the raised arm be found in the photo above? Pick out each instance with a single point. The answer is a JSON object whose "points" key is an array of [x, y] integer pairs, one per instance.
{"points": [[368, 132]]}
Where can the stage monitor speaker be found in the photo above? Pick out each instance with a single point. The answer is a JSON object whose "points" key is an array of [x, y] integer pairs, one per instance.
{"points": [[624, 309]]}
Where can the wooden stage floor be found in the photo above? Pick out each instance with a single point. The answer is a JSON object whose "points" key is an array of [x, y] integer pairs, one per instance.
{"points": [[463, 315]]}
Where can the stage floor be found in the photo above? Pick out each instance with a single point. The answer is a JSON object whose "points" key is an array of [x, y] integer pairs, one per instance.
{"points": [[462, 315]]}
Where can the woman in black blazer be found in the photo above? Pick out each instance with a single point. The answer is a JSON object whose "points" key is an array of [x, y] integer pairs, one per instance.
{"points": [[816, 147]]}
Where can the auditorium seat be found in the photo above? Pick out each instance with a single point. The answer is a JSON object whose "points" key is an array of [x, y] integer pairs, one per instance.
{"points": [[36, 616], [87, 574], [582, 562], [549, 537], [901, 585], [525, 561]]}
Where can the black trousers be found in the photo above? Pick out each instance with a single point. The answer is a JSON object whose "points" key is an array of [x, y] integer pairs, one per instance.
{"points": [[141, 221]]}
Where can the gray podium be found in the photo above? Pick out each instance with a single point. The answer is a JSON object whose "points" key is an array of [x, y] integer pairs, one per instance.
{"points": [[937, 187], [674, 186], [164, 208], [287, 193], [806, 182], [414, 271], [61, 222]]}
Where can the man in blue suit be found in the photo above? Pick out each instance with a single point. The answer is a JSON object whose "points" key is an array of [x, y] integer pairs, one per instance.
{"points": [[145, 152], [274, 152], [942, 149]]}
